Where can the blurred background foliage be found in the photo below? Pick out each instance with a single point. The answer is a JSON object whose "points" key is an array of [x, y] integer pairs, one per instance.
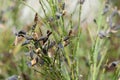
{"points": [[12, 58]]}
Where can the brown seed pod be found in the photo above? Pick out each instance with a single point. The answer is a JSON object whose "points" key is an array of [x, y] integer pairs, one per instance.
{"points": [[36, 18], [66, 43], [70, 32], [63, 6], [49, 33], [26, 42], [34, 61], [112, 66], [66, 38], [21, 33]]}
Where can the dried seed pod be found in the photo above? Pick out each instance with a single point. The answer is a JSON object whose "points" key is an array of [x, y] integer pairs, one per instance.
{"points": [[81, 1], [66, 43], [29, 64], [49, 33], [63, 6], [41, 61], [32, 54], [21, 33], [45, 39], [51, 53], [114, 29], [66, 38], [34, 26], [34, 61], [42, 38], [111, 17], [103, 34], [44, 51], [52, 43], [70, 33], [58, 15], [112, 66], [28, 37], [60, 45], [36, 44], [26, 42], [105, 10], [36, 18], [50, 19]]}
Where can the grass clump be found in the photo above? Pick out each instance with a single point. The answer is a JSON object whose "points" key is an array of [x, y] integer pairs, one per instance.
{"points": [[55, 47]]}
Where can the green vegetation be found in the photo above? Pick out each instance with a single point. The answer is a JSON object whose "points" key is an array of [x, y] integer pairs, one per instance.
{"points": [[54, 46]]}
